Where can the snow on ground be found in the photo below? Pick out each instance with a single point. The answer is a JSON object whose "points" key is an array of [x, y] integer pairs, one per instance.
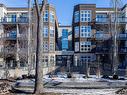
{"points": [[83, 91]]}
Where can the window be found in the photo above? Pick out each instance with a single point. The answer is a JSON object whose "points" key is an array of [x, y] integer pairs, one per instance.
{"points": [[99, 35], [45, 46], [76, 17], [64, 39], [52, 30], [52, 46], [52, 19], [76, 46], [85, 46], [45, 61], [85, 31], [76, 31], [85, 58], [46, 14], [85, 15], [45, 32], [52, 60]]}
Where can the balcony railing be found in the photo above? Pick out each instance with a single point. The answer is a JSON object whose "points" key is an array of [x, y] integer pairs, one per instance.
{"points": [[122, 36], [8, 50], [123, 49], [8, 36], [105, 50], [14, 20], [102, 20], [108, 36], [106, 20], [103, 36]]}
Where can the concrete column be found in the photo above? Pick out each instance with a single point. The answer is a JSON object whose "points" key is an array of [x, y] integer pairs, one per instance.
{"points": [[75, 60]]}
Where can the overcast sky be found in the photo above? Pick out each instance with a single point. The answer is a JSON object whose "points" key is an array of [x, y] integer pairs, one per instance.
{"points": [[64, 8]]}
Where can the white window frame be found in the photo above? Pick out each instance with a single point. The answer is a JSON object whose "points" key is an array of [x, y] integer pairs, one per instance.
{"points": [[85, 46], [45, 32], [52, 31], [46, 16], [45, 46], [85, 15], [45, 61], [85, 31], [52, 46]]}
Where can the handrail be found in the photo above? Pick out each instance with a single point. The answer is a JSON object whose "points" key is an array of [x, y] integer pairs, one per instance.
{"points": [[14, 20]]}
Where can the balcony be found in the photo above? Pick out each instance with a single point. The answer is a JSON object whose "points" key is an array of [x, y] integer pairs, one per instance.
{"points": [[122, 36], [102, 20], [8, 36], [106, 20], [103, 50], [101, 36], [123, 50], [10, 20], [8, 50]]}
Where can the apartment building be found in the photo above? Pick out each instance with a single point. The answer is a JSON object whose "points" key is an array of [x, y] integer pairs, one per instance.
{"points": [[94, 36], [88, 46], [14, 37]]}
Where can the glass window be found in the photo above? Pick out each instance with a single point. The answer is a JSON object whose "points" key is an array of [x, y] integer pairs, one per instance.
{"points": [[85, 15], [45, 46], [45, 32], [76, 17], [45, 61], [52, 46], [85, 31], [52, 18], [76, 31], [85, 46], [52, 30], [85, 58], [76, 46], [52, 60], [64, 39], [46, 15]]}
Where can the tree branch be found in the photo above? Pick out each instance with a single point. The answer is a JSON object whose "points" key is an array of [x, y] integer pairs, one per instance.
{"points": [[44, 2], [37, 7]]}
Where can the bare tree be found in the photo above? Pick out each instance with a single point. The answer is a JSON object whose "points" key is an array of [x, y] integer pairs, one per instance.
{"points": [[39, 66]]}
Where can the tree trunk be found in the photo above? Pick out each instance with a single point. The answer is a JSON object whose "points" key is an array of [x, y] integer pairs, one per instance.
{"points": [[39, 65]]}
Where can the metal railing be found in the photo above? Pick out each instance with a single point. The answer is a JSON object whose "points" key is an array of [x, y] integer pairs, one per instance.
{"points": [[8, 50], [122, 36], [14, 20], [123, 49], [107, 20], [9, 36]]}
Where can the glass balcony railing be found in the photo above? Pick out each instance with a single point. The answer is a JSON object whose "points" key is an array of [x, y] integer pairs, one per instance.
{"points": [[102, 49], [112, 20], [102, 20], [14, 20], [122, 36], [108, 36], [123, 49], [7, 50], [9, 36]]}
